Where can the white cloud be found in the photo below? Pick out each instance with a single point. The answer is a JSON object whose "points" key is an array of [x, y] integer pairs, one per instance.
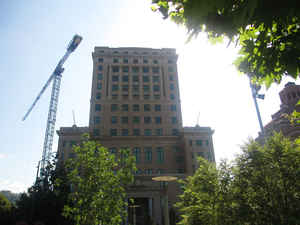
{"points": [[13, 186], [2, 156]]}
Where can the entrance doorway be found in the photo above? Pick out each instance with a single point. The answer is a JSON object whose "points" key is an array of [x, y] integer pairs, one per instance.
{"points": [[138, 212]]}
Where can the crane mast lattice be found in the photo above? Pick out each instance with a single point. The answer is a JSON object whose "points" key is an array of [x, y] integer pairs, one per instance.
{"points": [[56, 77]]}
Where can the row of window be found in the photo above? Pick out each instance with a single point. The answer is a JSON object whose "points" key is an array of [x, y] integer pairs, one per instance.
{"points": [[135, 88], [198, 142], [135, 78], [134, 61], [156, 171], [138, 53], [136, 132], [136, 120], [136, 69], [148, 155], [135, 107]]}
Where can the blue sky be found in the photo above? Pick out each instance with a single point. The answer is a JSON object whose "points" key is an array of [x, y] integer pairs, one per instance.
{"points": [[34, 36]]}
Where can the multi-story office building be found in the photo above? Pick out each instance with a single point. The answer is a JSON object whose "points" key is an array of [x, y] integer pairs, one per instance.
{"points": [[135, 104]]}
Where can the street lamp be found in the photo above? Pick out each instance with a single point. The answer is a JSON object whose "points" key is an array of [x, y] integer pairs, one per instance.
{"points": [[165, 180], [255, 89]]}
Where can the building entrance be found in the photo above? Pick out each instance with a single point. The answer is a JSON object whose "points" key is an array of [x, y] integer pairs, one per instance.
{"points": [[139, 212]]}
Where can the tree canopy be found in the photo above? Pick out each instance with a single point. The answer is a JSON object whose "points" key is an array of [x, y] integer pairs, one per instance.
{"points": [[260, 187], [268, 31], [99, 180]]}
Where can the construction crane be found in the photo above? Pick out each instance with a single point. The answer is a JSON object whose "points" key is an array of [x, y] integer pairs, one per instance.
{"points": [[56, 78]]}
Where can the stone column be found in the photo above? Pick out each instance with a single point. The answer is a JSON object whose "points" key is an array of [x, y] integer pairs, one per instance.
{"points": [[157, 210]]}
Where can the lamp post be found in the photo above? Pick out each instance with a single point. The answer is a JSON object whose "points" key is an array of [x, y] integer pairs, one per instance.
{"points": [[165, 179], [255, 89]]}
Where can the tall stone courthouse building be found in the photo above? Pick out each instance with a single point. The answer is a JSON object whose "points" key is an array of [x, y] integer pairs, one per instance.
{"points": [[135, 104]]}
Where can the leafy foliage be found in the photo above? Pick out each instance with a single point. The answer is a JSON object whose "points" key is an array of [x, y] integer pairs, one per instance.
{"points": [[99, 180], [6, 210], [261, 186], [268, 31], [46, 198]]}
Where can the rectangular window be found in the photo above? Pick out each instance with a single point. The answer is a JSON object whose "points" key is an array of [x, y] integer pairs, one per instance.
{"points": [[157, 108], [136, 119], [155, 69], [146, 79], [155, 79], [114, 107], [207, 142], [158, 120], [159, 132], [125, 78], [96, 132], [171, 77], [114, 119], [170, 61], [155, 61], [97, 107], [136, 108], [135, 69], [175, 132], [145, 69], [125, 87], [136, 132], [116, 69], [135, 78], [125, 107], [137, 154], [99, 85], [147, 107], [100, 76], [135, 88], [100, 60], [147, 120], [115, 60], [125, 132], [172, 96], [98, 95], [146, 88], [199, 142], [156, 88], [148, 154], [124, 119], [172, 87], [174, 120], [125, 60], [170, 69], [145, 61], [125, 69], [147, 132], [97, 120], [100, 67], [115, 87], [115, 78], [173, 108], [112, 150], [135, 61], [179, 159], [160, 155], [113, 132]]}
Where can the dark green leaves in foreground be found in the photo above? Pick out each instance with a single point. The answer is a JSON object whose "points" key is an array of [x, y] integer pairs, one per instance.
{"points": [[268, 31], [261, 186], [99, 180]]}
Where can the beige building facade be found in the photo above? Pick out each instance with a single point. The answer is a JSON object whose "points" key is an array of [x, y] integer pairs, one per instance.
{"points": [[135, 104]]}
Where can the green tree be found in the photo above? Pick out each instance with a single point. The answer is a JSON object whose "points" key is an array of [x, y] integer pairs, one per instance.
{"points": [[268, 31], [45, 200], [6, 210], [99, 180], [260, 187]]}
